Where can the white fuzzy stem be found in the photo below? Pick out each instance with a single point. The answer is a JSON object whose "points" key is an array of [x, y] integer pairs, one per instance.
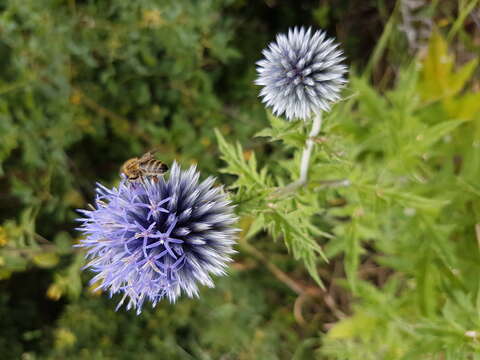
{"points": [[307, 153]]}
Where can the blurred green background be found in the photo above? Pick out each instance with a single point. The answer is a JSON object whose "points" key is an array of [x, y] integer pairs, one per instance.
{"points": [[85, 85]]}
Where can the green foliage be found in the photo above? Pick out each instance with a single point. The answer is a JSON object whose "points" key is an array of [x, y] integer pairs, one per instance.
{"points": [[287, 216], [398, 155], [84, 332], [375, 257], [424, 222]]}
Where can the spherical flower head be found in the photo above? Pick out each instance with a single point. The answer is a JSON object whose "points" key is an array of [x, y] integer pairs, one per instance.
{"points": [[301, 74], [158, 238]]}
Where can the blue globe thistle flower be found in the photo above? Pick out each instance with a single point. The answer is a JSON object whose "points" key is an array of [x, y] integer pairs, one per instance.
{"points": [[160, 238], [301, 73]]}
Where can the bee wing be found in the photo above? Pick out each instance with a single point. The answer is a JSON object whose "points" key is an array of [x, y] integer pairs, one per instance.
{"points": [[147, 156], [153, 151]]}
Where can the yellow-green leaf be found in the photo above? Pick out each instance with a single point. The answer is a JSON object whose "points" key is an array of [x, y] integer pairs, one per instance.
{"points": [[358, 325], [460, 78], [466, 107], [45, 260], [438, 78], [437, 66]]}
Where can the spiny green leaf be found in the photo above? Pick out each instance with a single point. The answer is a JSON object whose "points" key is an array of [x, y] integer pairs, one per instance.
{"points": [[245, 170], [430, 136], [290, 132]]}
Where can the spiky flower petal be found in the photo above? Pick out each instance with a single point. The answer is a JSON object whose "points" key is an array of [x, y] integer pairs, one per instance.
{"points": [[301, 73], [160, 238]]}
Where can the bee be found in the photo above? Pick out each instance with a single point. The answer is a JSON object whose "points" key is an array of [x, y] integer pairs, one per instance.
{"points": [[144, 167]]}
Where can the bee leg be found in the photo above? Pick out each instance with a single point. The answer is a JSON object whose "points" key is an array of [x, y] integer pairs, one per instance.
{"points": [[142, 181]]}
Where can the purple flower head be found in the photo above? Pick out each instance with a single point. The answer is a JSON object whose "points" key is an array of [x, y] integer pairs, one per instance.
{"points": [[160, 238], [301, 73]]}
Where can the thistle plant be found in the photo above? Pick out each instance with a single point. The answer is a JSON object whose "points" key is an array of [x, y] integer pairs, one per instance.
{"points": [[86, 82], [160, 238], [302, 74]]}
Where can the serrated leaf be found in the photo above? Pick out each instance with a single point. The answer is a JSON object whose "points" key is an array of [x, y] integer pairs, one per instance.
{"points": [[352, 255], [245, 170], [426, 280], [407, 199], [291, 133], [430, 136], [294, 230], [371, 103]]}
